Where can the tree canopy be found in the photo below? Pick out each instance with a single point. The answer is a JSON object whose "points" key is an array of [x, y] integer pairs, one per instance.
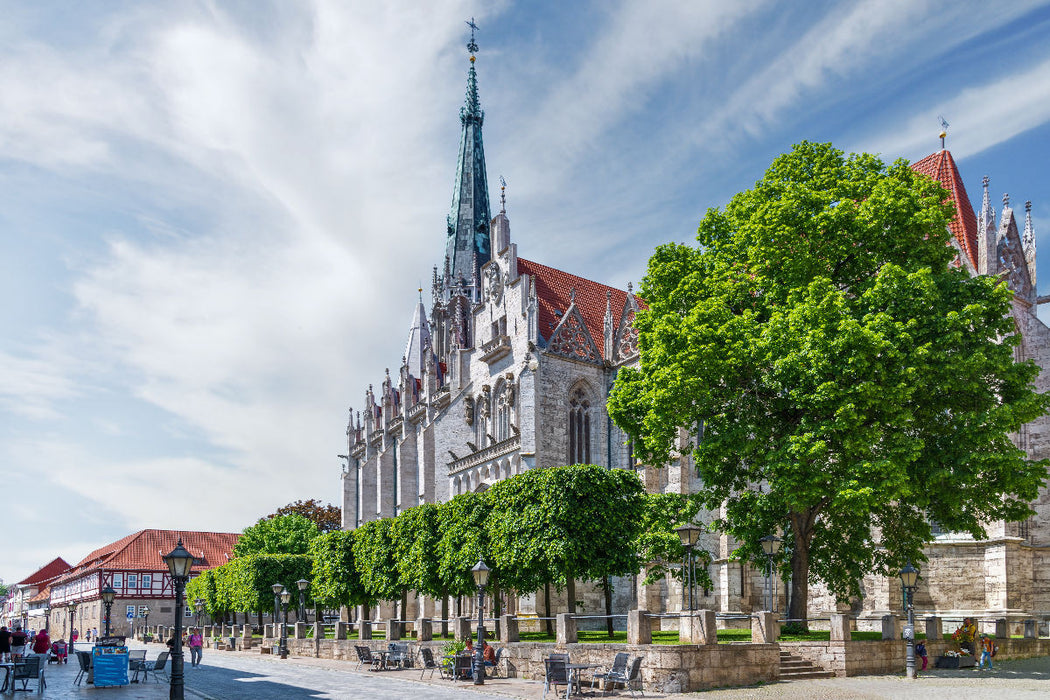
{"points": [[335, 578], [327, 517], [851, 385], [282, 534]]}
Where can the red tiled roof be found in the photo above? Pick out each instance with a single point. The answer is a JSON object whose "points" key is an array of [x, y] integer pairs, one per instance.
{"points": [[143, 550], [553, 289], [56, 567], [941, 167], [43, 595]]}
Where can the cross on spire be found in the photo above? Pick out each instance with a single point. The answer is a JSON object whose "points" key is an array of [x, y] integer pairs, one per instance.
{"points": [[472, 47]]}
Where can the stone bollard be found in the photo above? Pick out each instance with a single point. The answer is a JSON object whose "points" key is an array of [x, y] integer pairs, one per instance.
{"points": [[840, 628], [1031, 629], [889, 627], [366, 629], [509, 628], [1000, 629], [424, 629], [267, 631], [318, 631], [393, 630], [246, 637], [207, 632], [688, 629], [461, 629], [639, 627], [764, 628], [934, 629], [566, 629], [708, 627], [342, 630], [300, 630]]}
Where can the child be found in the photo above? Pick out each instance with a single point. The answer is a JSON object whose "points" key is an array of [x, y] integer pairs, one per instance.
{"points": [[986, 647]]}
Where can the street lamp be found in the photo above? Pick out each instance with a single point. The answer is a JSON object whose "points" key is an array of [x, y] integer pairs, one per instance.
{"points": [[910, 579], [108, 595], [286, 596], [72, 621], [303, 584], [47, 619], [689, 534], [179, 562], [145, 616], [278, 589], [199, 605], [770, 545], [481, 578]]}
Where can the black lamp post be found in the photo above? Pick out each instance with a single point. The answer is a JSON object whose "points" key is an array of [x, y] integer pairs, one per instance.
{"points": [[910, 579], [303, 584], [72, 622], [108, 595], [145, 616], [179, 562], [689, 534], [47, 619], [278, 589], [770, 546], [199, 605], [286, 597], [481, 578]]}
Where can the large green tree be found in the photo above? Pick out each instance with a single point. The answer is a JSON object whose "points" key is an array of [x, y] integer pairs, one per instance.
{"points": [[851, 385], [373, 551], [336, 580], [281, 534], [327, 517]]}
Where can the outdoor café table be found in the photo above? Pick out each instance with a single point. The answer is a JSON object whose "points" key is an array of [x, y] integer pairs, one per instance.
{"points": [[574, 674], [384, 655]]}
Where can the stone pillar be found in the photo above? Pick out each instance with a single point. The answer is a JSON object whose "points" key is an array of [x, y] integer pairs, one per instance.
{"points": [[688, 629], [318, 630], [393, 630], [461, 629], [934, 630], [207, 632], [1000, 629], [341, 629], [840, 628], [300, 630], [267, 631], [890, 629], [1031, 629], [763, 628], [639, 627], [366, 629], [509, 627], [708, 628], [424, 629], [566, 629]]}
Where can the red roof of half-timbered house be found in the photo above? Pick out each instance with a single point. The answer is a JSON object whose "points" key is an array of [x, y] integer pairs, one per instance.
{"points": [[53, 569], [143, 551], [941, 167], [554, 289]]}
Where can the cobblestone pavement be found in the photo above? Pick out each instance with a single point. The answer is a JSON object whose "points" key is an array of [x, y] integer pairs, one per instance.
{"points": [[248, 675]]}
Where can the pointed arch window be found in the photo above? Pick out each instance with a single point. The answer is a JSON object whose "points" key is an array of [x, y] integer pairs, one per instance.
{"points": [[579, 428]]}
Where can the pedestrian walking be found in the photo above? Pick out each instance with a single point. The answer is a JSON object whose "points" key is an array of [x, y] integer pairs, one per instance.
{"points": [[5, 644], [920, 651], [18, 643], [987, 647], [196, 642]]}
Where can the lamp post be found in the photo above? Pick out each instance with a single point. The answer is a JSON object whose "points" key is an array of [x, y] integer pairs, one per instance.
{"points": [[145, 616], [179, 562], [47, 619], [910, 579], [199, 605], [689, 534], [303, 584], [286, 597], [72, 622], [770, 546], [108, 595], [481, 578], [278, 589]]}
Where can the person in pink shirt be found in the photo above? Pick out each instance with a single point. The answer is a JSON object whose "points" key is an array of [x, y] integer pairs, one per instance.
{"points": [[196, 642]]}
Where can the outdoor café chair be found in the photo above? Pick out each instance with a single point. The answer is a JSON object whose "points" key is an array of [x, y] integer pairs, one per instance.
{"points": [[27, 669], [365, 656], [555, 674], [616, 674], [157, 667], [84, 659], [634, 677], [463, 666], [136, 663], [429, 664], [494, 668]]}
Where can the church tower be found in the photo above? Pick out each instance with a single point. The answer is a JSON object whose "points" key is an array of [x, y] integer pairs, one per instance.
{"points": [[467, 246]]}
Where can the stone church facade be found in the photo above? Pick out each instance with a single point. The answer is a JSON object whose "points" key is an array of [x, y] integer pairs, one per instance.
{"points": [[511, 369]]}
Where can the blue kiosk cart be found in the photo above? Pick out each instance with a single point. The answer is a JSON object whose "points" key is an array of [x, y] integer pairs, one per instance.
{"points": [[109, 662]]}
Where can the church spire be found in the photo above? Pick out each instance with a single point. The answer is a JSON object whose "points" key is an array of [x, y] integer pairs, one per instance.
{"points": [[467, 246]]}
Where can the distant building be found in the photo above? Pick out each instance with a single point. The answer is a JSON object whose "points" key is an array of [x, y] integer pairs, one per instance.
{"points": [[134, 568], [27, 600]]}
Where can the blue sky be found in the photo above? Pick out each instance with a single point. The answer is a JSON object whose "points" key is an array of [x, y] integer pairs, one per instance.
{"points": [[214, 216]]}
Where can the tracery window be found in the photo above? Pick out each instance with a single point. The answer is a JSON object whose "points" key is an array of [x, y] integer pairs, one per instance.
{"points": [[579, 428], [502, 414]]}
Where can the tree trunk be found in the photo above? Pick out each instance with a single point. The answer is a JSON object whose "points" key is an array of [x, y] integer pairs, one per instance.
{"points": [[801, 532], [570, 593], [403, 615], [444, 613], [260, 618], [547, 609], [607, 589]]}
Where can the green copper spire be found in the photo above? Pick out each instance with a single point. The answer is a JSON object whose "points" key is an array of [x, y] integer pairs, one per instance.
{"points": [[467, 247]]}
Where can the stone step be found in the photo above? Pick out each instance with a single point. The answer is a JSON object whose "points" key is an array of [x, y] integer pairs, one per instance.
{"points": [[796, 668], [806, 675]]}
